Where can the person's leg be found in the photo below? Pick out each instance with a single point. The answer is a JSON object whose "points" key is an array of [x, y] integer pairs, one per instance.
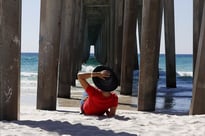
{"points": [[84, 97]]}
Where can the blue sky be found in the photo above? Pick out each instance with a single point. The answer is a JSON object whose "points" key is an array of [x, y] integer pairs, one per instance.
{"points": [[183, 26]]}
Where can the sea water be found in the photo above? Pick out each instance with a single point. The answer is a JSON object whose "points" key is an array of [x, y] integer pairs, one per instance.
{"points": [[177, 98]]}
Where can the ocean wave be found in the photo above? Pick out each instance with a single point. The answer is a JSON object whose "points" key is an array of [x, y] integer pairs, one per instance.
{"points": [[28, 81], [185, 74], [28, 85], [28, 74], [29, 88], [163, 73], [87, 68]]}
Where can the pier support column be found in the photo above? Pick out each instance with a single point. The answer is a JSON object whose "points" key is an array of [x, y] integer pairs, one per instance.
{"points": [[108, 41], [129, 46], [112, 34], [86, 44], [81, 37], [76, 41], [149, 56], [48, 54], [170, 43], [10, 50], [139, 22], [100, 50], [66, 48], [197, 17], [198, 97], [118, 30]]}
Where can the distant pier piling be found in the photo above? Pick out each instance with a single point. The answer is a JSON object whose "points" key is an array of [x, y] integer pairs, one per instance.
{"points": [[169, 23]]}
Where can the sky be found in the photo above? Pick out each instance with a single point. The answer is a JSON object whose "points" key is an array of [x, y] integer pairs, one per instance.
{"points": [[183, 26]]}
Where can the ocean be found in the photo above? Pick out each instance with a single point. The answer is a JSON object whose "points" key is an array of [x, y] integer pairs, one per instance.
{"points": [[177, 98]]}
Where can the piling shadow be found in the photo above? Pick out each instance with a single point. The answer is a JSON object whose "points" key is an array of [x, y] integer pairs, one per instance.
{"points": [[118, 117], [66, 128]]}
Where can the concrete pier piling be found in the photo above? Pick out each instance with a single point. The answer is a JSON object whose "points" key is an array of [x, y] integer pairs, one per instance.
{"points": [[129, 46], [10, 54], [198, 6], [49, 43], [198, 101], [149, 56], [169, 23]]}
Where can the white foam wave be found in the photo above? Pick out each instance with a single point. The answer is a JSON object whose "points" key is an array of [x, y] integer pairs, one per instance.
{"points": [[28, 81], [87, 68], [185, 74], [29, 74], [29, 88]]}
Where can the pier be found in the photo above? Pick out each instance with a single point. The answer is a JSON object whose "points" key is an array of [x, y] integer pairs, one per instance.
{"points": [[67, 30]]}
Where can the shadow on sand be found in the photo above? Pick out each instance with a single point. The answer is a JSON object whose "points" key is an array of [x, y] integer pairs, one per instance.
{"points": [[66, 128]]}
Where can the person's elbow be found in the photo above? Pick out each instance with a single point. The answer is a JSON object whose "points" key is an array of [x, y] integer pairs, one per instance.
{"points": [[111, 115]]}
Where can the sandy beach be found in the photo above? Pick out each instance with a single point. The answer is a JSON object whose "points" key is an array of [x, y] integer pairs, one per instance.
{"points": [[66, 121]]}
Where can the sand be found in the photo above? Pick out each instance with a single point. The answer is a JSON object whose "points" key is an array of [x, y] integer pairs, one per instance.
{"points": [[67, 121]]}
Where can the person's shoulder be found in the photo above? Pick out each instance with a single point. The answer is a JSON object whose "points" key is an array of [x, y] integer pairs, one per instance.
{"points": [[92, 89], [114, 95], [115, 99]]}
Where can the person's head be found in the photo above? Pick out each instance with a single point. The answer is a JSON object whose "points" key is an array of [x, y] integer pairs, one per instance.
{"points": [[109, 83]]}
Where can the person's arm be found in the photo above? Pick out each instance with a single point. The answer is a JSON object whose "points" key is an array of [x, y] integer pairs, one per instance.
{"points": [[83, 76], [111, 112]]}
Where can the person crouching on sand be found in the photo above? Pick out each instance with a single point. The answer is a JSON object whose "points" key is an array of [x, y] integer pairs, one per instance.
{"points": [[100, 99]]}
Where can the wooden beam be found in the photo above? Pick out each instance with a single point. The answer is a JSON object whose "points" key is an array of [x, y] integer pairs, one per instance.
{"points": [[48, 54], [149, 56], [10, 50], [198, 97]]}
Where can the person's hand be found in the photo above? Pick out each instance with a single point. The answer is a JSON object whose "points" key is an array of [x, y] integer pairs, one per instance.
{"points": [[104, 74]]}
